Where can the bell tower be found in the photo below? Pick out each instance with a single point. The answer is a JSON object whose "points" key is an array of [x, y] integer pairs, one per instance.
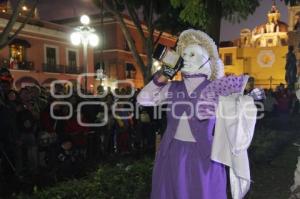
{"points": [[274, 14]]}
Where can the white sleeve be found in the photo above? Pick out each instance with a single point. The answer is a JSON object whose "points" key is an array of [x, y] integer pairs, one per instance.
{"points": [[153, 94]]}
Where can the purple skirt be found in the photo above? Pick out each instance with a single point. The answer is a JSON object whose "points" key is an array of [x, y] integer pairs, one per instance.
{"points": [[181, 174]]}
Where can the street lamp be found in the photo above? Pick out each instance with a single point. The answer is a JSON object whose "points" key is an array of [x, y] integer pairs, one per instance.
{"points": [[85, 35]]}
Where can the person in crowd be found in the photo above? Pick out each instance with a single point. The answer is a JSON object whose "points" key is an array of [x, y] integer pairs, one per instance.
{"points": [[124, 124], [269, 104], [38, 98], [48, 136], [77, 132], [27, 126], [67, 158], [8, 123], [145, 129], [294, 104], [283, 109], [105, 116]]}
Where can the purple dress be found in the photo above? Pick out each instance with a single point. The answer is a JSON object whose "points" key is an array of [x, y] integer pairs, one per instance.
{"points": [[184, 170]]}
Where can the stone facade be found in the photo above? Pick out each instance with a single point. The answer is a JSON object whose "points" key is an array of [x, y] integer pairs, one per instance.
{"points": [[260, 52]]}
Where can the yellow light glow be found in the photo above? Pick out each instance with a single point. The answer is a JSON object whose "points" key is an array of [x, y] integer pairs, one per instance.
{"points": [[156, 63], [24, 8]]}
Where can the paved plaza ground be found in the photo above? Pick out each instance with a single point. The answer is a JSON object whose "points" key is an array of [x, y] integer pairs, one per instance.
{"points": [[273, 180]]}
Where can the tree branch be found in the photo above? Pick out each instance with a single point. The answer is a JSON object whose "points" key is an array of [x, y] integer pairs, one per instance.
{"points": [[150, 17], [150, 22], [158, 37], [135, 20], [10, 38], [10, 24], [108, 7], [129, 38]]}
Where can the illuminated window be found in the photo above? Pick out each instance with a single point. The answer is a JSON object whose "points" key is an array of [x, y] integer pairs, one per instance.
{"points": [[17, 52]]}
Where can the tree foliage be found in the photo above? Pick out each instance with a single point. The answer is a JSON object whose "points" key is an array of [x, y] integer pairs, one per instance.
{"points": [[198, 12], [173, 16], [208, 13]]}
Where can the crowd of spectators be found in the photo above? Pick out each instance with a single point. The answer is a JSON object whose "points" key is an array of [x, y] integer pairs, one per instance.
{"points": [[33, 141], [280, 104], [277, 107]]}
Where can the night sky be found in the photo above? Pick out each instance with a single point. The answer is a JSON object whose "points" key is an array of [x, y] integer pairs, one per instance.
{"points": [[57, 9]]}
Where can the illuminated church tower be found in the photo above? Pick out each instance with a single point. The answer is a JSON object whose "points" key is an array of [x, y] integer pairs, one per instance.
{"points": [[260, 51], [269, 34]]}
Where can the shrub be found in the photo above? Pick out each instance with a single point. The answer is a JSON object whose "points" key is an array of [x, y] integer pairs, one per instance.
{"points": [[123, 181]]}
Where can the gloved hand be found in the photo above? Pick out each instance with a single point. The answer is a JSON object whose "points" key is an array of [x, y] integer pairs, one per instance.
{"points": [[170, 60], [257, 94], [171, 72]]}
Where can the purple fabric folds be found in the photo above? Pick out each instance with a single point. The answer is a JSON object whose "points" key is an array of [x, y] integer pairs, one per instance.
{"points": [[181, 175], [184, 170]]}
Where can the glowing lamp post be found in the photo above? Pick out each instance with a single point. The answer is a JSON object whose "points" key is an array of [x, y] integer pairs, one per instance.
{"points": [[85, 35]]}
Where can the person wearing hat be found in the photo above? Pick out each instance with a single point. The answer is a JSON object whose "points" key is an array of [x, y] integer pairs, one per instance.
{"points": [[183, 168], [6, 81]]}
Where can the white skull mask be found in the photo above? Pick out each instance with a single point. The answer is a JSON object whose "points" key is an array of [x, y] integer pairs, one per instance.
{"points": [[195, 60]]}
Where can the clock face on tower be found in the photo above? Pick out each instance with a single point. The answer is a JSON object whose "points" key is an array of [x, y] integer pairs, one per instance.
{"points": [[266, 58]]}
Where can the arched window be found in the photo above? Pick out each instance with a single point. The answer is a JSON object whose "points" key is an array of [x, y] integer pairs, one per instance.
{"points": [[283, 42], [17, 49]]}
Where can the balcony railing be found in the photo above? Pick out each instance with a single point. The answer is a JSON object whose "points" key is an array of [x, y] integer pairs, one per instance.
{"points": [[74, 69], [25, 65], [53, 68], [17, 65], [62, 69]]}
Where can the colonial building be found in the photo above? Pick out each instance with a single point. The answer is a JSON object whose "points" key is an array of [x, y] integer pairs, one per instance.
{"points": [[42, 52], [114, 52], [259, 52]]}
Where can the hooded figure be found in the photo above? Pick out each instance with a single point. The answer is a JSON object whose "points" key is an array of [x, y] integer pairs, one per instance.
{"points": [[183, 168]]}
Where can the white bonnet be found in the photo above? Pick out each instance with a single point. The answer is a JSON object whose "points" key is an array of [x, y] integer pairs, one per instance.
{"points": [[192, 36]]}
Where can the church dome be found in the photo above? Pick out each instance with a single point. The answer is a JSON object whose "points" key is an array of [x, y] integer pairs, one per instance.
{"points": [[273, 23], [283, 27]]}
